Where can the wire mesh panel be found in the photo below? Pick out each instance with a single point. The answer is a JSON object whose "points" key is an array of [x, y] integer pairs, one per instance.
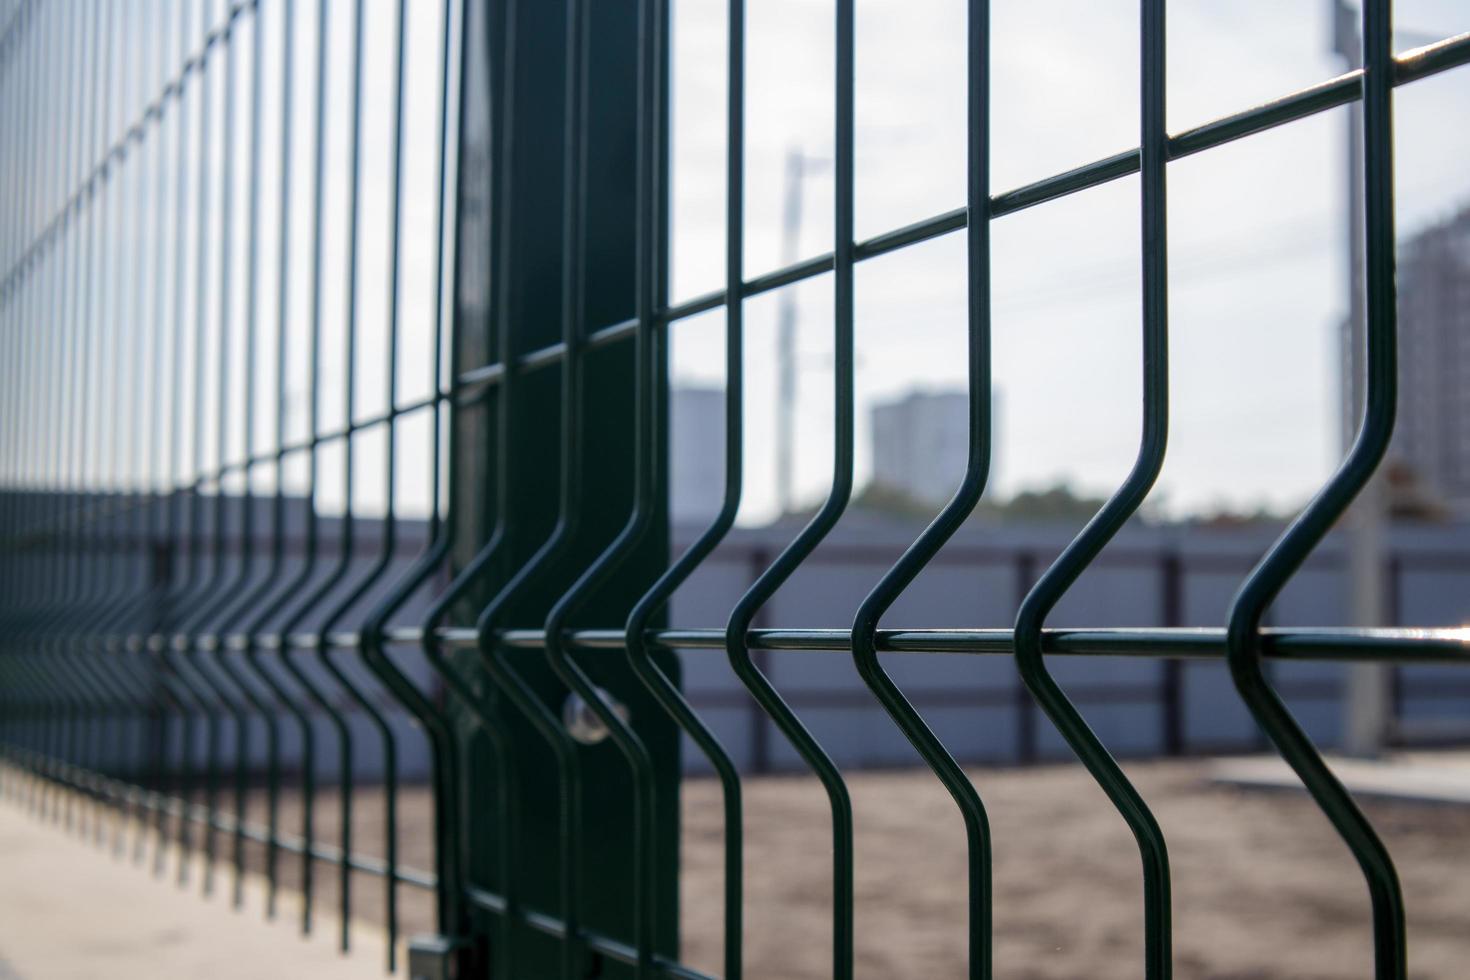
{"points": [[335, 351], [226, 252]]}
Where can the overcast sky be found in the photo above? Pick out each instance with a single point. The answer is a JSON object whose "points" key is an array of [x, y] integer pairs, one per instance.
{"points": [[1256, 229]]}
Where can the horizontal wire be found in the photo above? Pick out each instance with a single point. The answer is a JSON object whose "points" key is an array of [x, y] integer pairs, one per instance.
{"points": [[1400, 645], [1411, 66], [598, 943], [468, 386], [91, 782]]}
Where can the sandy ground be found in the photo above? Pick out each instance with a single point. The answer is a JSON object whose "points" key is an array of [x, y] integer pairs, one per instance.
{"points": [[1262, 886]]}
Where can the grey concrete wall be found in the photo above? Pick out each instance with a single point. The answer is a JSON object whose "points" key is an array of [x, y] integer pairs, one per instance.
{"points": [[976, 703], [1167, 576]]}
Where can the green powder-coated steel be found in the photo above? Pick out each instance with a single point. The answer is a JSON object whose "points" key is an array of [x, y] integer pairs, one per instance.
{"points": [[199, 416]]}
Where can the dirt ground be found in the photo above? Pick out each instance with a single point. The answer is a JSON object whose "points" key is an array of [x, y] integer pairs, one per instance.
{"points": [[1262, 886]]}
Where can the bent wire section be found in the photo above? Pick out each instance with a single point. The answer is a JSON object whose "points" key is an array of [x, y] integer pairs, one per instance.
{"points": [[640, 659], [977, 470], [1297, 541], [1055, 582], [766, 585]]}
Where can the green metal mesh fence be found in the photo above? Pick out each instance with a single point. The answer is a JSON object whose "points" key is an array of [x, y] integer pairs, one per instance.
{"points": [[216, 376]]}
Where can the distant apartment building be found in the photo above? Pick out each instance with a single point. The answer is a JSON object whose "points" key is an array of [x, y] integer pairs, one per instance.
{"points": [[1432, 439], [920, 444], [696, 453]]}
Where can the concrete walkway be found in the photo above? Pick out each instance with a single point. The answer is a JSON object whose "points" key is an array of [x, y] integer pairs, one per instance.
{"points": [[72, 910], [1435, 778]]}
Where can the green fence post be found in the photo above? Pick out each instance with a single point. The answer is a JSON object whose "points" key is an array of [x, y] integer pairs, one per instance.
{"points": [[513, 154]]}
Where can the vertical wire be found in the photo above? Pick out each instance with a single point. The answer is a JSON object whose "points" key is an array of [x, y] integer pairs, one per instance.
{"points": [[450, 854], [344, 564], [24, 87], [977, 471], [57, 256], [151, 352], [16, 105], [39, 271], [91, 651], [665, 691], [640, 519], [94, 663], [179, 535], [8, 575], [482, 709], [13, 688], [213, 592], [35, 287], [35, 476], [546, 556], [13, 707], [56, 707], [776, 574], [95, 207], [175, 685], [9, 102], [238, 598], [390, 523], [16, 122], [150, 695], [40, 684], [1090, 541], [12, 100], [133, 398], [75, 660], [34, 631], [151, 597], [1286, 556], [123, 319], [196, 582], [85, 210], [273, 594], [17, 87], [62, 253], [122, 666], [443, 746], [312, 532], [95, 502], [389, 545], [443, 750], [573, 312], [222, 587], [30, 477]]}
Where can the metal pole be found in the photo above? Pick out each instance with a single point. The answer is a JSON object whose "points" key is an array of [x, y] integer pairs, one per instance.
{"points": [[1367, 705], [786, 337]]}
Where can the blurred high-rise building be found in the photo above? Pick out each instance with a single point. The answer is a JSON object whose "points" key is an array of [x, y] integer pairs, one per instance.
{"points": [[696, 453], [1432, 439], [921, 443]]}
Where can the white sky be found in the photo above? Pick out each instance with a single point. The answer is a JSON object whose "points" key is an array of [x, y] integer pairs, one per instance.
{"points": [[1255, 229]]}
